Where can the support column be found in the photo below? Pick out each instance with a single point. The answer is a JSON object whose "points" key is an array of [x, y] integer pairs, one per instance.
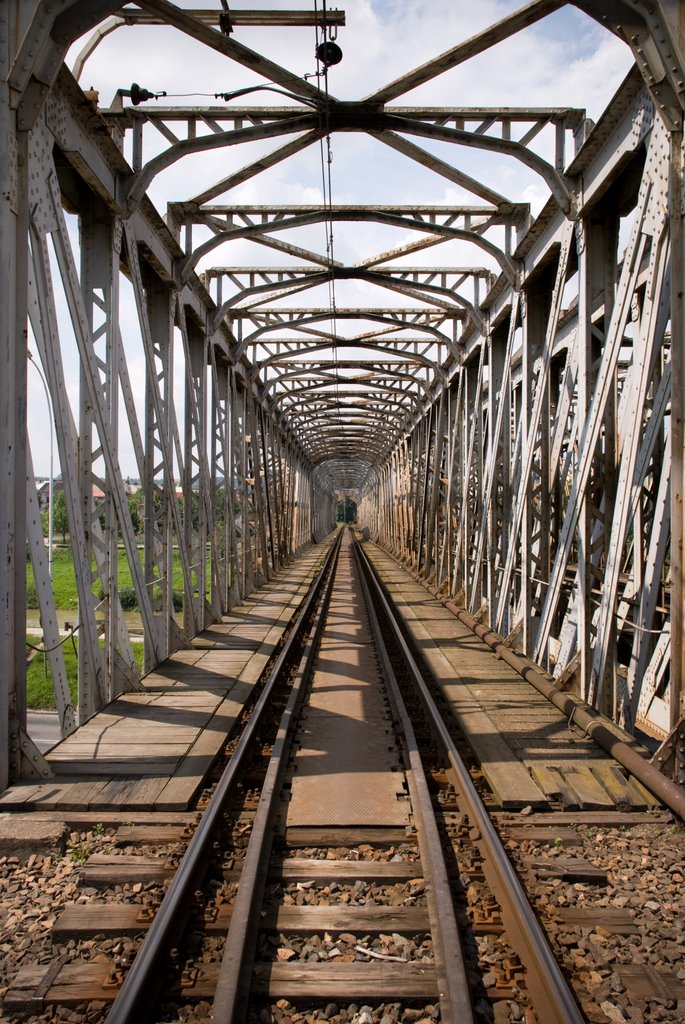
{"points": [[100, 252], [535, 519], [677, 211], [13, 302], [158, 536], [597, 277]]}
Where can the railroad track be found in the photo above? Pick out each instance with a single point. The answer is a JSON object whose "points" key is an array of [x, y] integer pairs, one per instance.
{"points": [[248, 910]]}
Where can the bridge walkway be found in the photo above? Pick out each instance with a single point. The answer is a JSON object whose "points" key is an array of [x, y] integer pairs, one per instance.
{"points": [[529, 752], [151, 749]]}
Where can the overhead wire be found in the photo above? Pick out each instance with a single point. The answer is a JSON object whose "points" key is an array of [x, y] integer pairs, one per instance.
{"points": [[326, 156]]}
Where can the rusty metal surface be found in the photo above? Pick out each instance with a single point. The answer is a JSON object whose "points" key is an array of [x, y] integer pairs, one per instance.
{"points": [[347, 768]]}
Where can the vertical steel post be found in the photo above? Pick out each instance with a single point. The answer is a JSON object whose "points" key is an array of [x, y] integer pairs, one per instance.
{"points": [[676, 213], [13, 302]]}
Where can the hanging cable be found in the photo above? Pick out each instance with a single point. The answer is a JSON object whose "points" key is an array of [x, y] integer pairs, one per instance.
{"points": [[139, 94], [326, 156]]}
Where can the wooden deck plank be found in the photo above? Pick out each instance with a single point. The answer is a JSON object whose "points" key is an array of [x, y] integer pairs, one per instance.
{"points": [[151, 748], [591, 794], [131, 750], [496, 707]]}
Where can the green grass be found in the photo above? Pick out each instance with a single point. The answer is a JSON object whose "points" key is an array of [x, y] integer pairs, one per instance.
{"points": [[64, 578], [39, 692]]}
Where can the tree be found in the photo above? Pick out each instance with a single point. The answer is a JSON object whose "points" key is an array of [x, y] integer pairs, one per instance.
{"points": [[60, 521], [134, 509]]}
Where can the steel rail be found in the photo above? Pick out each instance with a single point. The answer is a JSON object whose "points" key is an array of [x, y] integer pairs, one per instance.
{"points": [[231, 996], [549, 991], [138, 992], [453, 985]]}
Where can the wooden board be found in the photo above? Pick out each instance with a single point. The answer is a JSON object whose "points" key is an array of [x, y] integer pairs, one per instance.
{"points": [[83, 920], [348, 870], [495, 707], [301, 836], [135, 835], [102, 869], [79, 981], [549, 836], [190, 772], [152, 748], [32, 989], [642, 981], [570, 869], [624, 794], [592, 796], [379, 980]]}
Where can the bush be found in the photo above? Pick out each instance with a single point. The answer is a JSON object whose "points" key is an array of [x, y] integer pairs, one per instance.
{"points": [[31, 595], [128, 599], [177, 600]]}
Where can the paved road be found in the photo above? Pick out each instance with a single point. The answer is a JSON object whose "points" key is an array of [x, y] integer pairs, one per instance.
{"points": [[43, 728]]}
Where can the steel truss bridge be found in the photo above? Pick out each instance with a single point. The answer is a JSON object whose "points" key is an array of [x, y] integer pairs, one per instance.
{"points": [[511, 428]]}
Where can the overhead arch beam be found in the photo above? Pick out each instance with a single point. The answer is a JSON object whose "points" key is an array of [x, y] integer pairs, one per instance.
{"points": [[394, 398], [319, 386], [256, 231], [367, 346], [139, 183], [328, 315], [317, 278], [507, 147], [326, 378]]}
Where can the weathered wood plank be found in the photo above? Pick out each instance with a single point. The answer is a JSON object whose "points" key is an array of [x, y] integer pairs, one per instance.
{"points": [[571, 869], [109, 869], [345, 870], [303, 835], [78, 982], [552, 783], [619, 788], [134, 835], [82, 920], [199, 758], [591, 795], [336, 981]]}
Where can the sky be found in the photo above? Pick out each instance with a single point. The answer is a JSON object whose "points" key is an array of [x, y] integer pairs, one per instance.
{"points": [[566, 60]]}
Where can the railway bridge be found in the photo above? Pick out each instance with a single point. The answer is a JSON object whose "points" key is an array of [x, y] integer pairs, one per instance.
{"points": [[342, 396], [492, 381]]}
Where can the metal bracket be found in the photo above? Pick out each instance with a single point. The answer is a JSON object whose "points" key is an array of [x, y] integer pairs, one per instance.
{"points": [[32, 764], [670, 757], [37, 1000]]}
